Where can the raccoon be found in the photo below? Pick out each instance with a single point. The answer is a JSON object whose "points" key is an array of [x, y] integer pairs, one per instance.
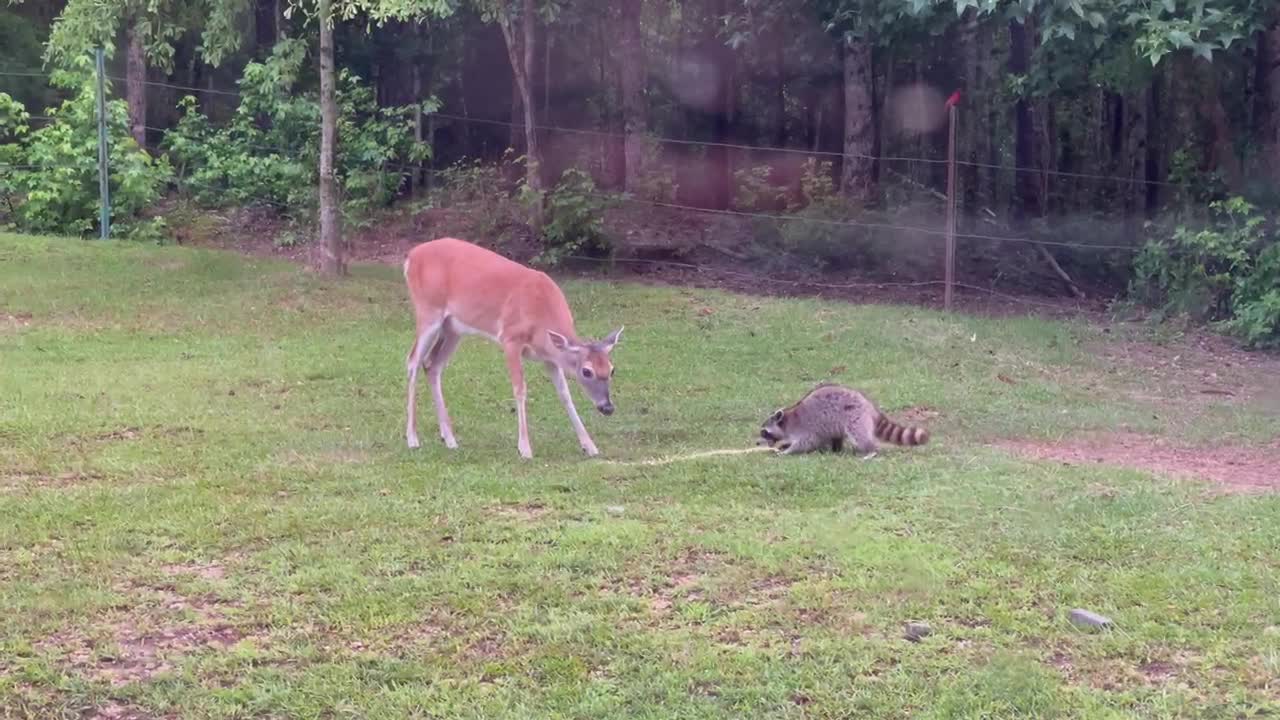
{"points": [[829, 415]]}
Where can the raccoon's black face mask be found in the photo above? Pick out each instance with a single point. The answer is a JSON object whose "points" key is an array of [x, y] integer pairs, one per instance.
{"points": [[770, 432]]}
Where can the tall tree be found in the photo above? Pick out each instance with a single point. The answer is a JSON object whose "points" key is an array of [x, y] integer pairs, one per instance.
{"points": [[518, 22], [858, 178], [860, 26], [633, 80], [1268, 87], [1027, 193], [135, 75], [329, 257]]}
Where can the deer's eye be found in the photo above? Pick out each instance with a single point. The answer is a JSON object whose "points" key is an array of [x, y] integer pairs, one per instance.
{"points": [[586, 373]]}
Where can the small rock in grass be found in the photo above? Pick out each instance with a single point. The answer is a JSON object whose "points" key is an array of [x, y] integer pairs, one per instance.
{"points": [[615, 510], [1085, 618], [916, 631]]}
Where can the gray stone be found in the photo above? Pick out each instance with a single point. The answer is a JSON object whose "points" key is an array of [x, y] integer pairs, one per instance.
{"points": [[1088, 619], [916, 631]]}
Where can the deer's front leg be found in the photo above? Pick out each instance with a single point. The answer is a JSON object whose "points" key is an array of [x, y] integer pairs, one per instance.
{"points": [[515, 366], [566, 399]]}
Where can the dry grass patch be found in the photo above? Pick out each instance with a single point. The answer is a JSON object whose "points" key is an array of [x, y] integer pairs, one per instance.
{"points": [[523, 511], [147, 635], [1232, 469], [25, 479]]}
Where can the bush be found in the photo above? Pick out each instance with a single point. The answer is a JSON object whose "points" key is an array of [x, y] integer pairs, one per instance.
{"points": [[49, 178], [1227, 271], [573, 220], [754, 191], [268, 152]]}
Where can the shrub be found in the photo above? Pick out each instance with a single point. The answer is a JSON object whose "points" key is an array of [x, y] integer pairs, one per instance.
{"points": [[1227, 271], [573, 219], [753, 191], [49, 182], [268, 152]]}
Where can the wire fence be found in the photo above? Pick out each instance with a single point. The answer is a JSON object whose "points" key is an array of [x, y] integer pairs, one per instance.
{"points": [[943, 233]]}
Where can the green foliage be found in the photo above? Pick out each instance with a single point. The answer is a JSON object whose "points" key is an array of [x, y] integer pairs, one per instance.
{"points": [[268, 152], [753, 191], [817, 182], [574, 220], [1194, 184], [50, 182], [657, 180], [85, 24], [1226, 271], [821, 233]]}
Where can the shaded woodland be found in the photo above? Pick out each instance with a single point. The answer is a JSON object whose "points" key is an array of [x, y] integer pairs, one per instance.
{"points": [[1086, 131]]}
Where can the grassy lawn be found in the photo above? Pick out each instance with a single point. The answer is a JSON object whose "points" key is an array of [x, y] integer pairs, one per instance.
{"points": [[209, 511]]}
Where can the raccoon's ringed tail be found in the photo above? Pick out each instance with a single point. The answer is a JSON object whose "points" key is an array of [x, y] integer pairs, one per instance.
{"points": [[891, 432]]}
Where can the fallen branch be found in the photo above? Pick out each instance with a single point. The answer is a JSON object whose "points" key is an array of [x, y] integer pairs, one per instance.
{"points": [[1053, 263]]}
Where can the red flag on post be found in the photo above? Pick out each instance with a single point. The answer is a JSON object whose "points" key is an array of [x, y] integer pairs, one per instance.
{"points": [[953, 100]]}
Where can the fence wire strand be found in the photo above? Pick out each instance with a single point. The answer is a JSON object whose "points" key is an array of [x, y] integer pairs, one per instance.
{"points": [[706, 143]]}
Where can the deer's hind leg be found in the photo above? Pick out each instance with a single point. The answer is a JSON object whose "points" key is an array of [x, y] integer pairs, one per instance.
{"points": [[427, 334], [437, 360]]}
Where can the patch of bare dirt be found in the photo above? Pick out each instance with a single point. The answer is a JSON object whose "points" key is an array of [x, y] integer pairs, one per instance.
{"points": [[13, 322], [1204, 367], [525, 511], [22, 479], [147, 637], [915, 415], [113, 710], [205, 571], [1232, 469]]}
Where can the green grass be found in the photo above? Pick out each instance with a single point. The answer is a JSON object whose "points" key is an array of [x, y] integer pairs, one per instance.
{"points": [[209, 511]]}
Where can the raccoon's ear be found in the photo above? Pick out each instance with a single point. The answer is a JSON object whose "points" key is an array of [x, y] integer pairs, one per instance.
{"points": [[779, 418]]}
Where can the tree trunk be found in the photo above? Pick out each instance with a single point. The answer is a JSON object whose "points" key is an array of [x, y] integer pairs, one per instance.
{"points": [[970, 133], [1268, 84], [265, 29], [1026, 187], [1135, 162], [135, 78], [329, 256], [546, 73], [857, 180], [520, 52], [1219, 154], [779, 90], [1155, 105], [719, 155], [633, 80], [516, 137]]}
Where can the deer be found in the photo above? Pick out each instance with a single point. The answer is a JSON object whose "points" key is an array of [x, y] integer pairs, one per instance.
{"points": [[458, 288]]}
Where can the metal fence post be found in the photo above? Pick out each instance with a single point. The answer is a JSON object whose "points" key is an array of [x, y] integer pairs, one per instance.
{"points": [[950, 270], [104, 189]]}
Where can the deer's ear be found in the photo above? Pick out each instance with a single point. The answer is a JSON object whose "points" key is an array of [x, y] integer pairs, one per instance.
{"points": [[559, 341], [612, 339]]}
